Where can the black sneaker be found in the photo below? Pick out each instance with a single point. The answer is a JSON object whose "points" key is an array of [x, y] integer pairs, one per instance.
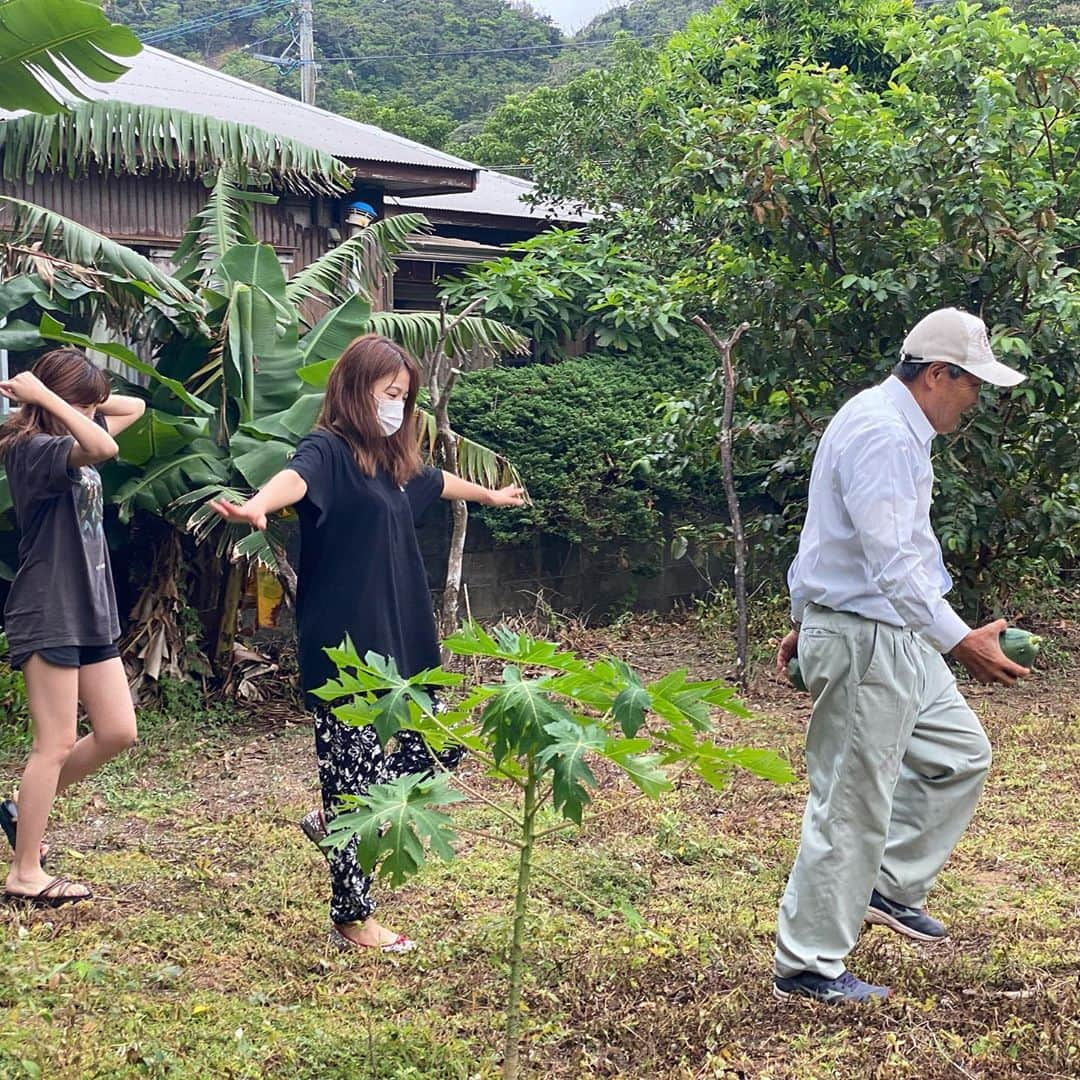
{"points": [[912, 922], [840, 991], [313, 826], [9, 822]]}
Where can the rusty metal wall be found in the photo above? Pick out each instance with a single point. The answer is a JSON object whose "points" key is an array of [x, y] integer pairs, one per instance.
{"points": [[152, 211]]}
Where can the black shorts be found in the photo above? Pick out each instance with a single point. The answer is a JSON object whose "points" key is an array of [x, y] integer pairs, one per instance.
{"points": [[70, 655]]}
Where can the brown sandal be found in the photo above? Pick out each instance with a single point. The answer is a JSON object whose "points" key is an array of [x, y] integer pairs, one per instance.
{"points": [[47, 897]]}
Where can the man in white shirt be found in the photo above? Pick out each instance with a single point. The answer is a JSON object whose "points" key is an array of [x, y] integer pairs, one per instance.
{"points": [[895, 758]]}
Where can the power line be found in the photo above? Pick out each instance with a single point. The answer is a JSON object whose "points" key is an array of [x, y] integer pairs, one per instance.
{"points": [[463, 53], [285, 24], [208, 22]]}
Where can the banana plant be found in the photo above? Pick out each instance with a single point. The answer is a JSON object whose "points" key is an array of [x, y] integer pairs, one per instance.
{"points": [[538, 729], [126, 138], [239, 367]]}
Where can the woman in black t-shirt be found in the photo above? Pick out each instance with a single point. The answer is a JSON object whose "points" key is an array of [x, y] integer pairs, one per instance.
{"points": [[60, 617], [358, 485]]}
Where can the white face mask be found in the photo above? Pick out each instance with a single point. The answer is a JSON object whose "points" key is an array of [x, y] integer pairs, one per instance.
{"points": [[391, 414]]}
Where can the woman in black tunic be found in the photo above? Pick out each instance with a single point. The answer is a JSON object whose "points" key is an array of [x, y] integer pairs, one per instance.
{"points": [[358, 485]]}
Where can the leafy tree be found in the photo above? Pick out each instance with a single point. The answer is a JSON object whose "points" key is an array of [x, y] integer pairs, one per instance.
{"points": [[607, 141], [588, 163], [745, 45], [540, 729], [568, 287], [398, 113], [835, 215], [507, 135]]}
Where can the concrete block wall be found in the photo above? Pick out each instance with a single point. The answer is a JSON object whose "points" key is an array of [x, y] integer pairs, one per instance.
{"points": [[503, 579]]}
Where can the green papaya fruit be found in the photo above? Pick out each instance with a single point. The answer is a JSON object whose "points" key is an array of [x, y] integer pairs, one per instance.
{"points": [[794, 674], [1020, 646]]}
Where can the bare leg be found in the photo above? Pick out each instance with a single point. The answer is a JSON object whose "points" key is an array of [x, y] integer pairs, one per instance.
{"points": [[104, 693], [53, 694]]}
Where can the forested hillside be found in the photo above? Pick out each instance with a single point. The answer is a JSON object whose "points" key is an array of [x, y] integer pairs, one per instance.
{"points": [[434, 70], [428, 69]]}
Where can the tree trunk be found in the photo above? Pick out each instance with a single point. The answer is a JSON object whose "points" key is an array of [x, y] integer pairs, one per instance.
{"points": [[225, 637], [728, 470], [286, 576], [459, 514], [153, 645], [451, 599], [441, 377], [511, 1067]]}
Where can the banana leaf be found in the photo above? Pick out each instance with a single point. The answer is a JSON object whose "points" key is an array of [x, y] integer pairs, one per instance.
{"points": [[45, 43]]}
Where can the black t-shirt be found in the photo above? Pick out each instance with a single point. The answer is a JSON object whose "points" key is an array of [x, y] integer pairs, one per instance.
{"points": [[63, 590], [360, 570]]}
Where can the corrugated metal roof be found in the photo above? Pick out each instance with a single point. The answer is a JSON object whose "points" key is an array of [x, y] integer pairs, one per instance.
{"points": [[498, 195], [449, 249], [160, 78]]}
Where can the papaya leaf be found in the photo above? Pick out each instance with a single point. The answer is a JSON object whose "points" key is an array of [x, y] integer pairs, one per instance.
{"points": [[630, 708], [715, 764], [380, 694], [680, 701], [515, 716], [504, 644], [571, 777], [395, 825], [644, 770]]}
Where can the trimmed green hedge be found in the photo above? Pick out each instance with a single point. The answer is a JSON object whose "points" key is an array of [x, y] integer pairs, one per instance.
{"points": [[567, 427]]}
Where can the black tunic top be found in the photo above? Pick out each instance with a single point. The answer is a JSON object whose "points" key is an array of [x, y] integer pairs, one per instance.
{"points": [[360, 570]]}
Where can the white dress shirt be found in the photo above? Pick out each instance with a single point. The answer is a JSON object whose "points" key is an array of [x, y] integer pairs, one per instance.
{"points": [[867, 546]]}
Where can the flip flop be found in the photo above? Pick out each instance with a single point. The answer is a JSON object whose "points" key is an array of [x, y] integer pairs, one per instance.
{"points": [[400, 944], [43, 899], [9, 822]]}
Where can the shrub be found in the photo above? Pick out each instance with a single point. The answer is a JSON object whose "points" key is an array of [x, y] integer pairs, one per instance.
{"points": [[570, 429]]}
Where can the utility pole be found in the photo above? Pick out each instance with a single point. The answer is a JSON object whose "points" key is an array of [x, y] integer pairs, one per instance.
{"points": [[307, 53]]}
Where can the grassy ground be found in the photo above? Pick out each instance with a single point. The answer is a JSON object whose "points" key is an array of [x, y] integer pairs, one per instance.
{"points": [[204, 955]]}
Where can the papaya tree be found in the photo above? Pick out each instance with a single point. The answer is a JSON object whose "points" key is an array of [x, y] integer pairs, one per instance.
{"points": [[539, 729]]}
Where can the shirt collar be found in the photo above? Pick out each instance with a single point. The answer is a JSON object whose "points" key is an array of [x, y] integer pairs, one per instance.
{"points": [[909, 409]]}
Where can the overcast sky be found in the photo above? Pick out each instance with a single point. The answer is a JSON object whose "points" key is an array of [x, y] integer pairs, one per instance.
{"points": [[571, 14]]}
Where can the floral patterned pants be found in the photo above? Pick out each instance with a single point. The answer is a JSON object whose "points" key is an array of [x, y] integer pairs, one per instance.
{"points": [[351, 759]]}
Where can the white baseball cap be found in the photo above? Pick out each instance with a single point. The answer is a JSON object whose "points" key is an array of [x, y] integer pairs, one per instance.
{"points": [[952, 336]]}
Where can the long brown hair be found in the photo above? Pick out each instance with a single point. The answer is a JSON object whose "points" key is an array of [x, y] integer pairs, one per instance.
{"points": [[68, 374], [350, 410]]}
